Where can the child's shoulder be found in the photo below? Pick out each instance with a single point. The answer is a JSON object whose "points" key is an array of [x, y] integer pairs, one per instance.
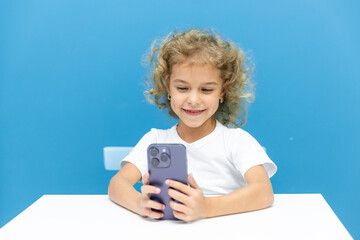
{"points": [[233, 132], [162, 131], [160, 134], [236, 137]]}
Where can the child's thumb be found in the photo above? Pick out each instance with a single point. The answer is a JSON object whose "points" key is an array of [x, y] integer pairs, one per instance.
{"points": [[192, 181], [146, 178]]}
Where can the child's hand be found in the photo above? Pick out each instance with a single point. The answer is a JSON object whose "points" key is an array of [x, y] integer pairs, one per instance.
{"points": [[145, 203], [192, 197]]}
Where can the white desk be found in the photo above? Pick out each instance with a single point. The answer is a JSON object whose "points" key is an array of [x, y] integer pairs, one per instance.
{"points": [[293, 216]]}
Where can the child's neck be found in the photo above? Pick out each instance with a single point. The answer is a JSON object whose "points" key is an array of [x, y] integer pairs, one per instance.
{"points": [[191, 135]]}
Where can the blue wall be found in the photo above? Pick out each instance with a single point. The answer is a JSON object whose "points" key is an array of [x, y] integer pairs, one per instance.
{"points": [[72, 82]]}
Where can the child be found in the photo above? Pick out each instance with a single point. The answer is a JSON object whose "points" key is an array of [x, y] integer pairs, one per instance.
{"points": [[201, 79]]}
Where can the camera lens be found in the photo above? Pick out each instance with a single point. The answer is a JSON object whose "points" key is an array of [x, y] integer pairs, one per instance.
{"points": [[155, 162], [164, 157], [154, 152]]}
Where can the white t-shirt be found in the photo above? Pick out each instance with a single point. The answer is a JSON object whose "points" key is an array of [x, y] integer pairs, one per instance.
{"points": [[218, 161]]}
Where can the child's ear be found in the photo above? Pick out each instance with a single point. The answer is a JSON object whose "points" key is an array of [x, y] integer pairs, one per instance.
{"points": [[222, 93], [223, 90], [167, 87]]}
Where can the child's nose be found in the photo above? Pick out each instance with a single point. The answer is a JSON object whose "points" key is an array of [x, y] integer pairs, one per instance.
{"points": [[194, 98]]}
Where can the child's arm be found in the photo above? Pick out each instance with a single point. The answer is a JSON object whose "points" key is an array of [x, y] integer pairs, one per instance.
{"points": [[122, 192], [258, 194]]}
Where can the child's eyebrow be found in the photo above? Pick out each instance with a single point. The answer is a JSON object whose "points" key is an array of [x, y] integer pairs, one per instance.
{"points": [[183, 81], [180, 81], [211, 83]]}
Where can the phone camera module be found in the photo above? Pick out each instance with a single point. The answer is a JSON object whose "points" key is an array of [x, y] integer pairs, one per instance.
{"points": [[164, 157], [154, 152], [155, 162]]}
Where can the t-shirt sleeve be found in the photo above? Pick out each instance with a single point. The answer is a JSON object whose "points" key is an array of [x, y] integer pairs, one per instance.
{"points": [[138, 155], [246, 153]]}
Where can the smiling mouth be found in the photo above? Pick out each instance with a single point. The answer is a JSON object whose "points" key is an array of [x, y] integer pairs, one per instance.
{"points": [[193, 112]]}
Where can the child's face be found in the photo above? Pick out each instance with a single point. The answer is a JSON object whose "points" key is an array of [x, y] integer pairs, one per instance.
{"points": [[195, 91]]}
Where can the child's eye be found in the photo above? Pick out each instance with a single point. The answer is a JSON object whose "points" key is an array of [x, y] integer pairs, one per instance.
{"points": [[182, 88], [207, 90]]}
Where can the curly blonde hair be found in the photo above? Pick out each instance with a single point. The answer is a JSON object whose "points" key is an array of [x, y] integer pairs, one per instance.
{"points": [[197, 46]]}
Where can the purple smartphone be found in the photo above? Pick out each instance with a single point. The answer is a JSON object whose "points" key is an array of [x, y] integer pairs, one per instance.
{"points": [[166, 161]]}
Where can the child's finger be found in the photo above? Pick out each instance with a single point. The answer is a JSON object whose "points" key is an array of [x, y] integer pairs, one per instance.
{"points": [[146, 178], [178, 207], [179, 215], [192, 181], [146, 189], [153, 214], [179, 186], [178, 196], [155, 205]]}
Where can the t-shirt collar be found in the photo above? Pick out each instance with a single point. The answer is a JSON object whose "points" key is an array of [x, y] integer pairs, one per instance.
{"points": [[197, 143]]}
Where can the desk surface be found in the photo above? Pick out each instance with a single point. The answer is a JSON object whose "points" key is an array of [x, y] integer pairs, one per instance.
{"points": [[293, 216]]}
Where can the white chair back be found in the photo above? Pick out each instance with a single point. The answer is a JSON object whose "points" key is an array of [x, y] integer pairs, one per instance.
{"points": [[114, 155]]}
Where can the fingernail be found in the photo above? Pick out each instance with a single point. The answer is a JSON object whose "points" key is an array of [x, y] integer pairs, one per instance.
{"points": [[158, 190], [167, 182]]}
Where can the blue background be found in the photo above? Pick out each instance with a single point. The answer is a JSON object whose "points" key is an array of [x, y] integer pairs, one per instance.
{"points": [[72, 83]]}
